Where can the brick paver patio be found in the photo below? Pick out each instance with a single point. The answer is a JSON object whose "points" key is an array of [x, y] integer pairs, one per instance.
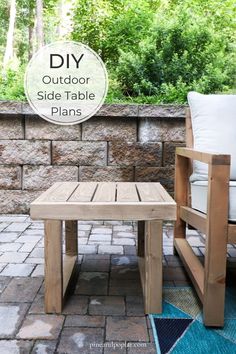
{"points": [[105, 313]]}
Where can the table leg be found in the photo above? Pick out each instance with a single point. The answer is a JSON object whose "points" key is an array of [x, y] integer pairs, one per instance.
{"points": [[141, 235], [153, 267], [70, 258], [71, 237], [53, 266]]}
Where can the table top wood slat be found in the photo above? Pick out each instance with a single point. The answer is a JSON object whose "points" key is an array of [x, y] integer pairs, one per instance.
{"points": [[164, 194], [44, 196], [84, 192], [127, 192], [106, 192], [63, 192], [150, 192]]}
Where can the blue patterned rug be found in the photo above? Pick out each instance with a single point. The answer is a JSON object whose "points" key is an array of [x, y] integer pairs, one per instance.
{"points": [[180, 330]]}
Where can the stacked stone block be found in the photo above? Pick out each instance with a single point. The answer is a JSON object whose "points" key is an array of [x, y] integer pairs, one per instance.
{"points": [[121, 143]]}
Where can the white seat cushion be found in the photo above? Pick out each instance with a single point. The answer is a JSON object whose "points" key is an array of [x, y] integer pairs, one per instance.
{"points": [[199, 197], [214, 129]]}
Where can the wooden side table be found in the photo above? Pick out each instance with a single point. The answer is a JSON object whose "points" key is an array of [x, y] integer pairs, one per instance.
{"points": [[147, 203]]}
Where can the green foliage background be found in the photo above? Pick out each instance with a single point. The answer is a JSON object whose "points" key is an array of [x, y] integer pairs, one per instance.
{"points": [[155, 51]]}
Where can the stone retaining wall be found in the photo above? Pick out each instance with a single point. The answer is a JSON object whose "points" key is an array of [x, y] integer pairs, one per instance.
{"points": [[121, 143]]}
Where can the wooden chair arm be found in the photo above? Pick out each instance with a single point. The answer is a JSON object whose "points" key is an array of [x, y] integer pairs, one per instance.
{"points": [[205, 157]]}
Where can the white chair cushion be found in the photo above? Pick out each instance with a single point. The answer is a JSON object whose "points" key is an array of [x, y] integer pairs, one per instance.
{"points": [[214, 129], [199, 197]]}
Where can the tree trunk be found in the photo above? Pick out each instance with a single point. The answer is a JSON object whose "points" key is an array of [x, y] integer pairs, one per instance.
{"points": [[10, 35], [39, 26], [31, 31], [59, 13], [31, 36], [65, 16]]}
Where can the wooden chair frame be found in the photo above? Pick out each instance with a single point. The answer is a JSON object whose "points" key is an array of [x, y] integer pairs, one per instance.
{"points": [[209, 280]]}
